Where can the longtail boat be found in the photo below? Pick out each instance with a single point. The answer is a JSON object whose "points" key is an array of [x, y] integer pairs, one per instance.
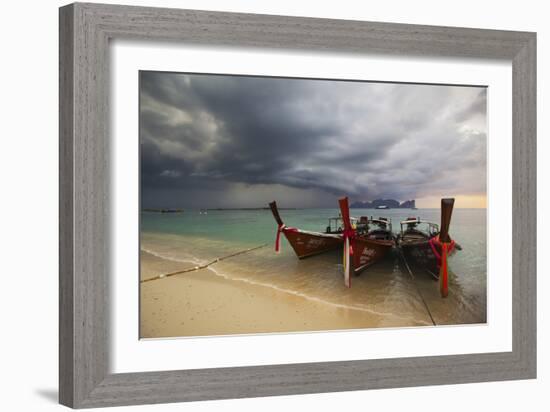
{"points": [[365, 243], [424, 244], [307, 243]]}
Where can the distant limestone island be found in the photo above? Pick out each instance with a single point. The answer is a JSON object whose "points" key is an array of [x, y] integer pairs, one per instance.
{"points": [[384, 204]]}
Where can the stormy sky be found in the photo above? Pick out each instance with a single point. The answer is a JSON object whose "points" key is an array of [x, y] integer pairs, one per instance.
{"points": [[212, 141]]}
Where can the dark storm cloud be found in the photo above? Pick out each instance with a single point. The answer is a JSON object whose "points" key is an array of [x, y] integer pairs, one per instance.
{"points": [[202, 136]]}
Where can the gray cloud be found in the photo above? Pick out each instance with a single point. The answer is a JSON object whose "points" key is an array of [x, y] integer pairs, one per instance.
{"points": [[231, 141]]}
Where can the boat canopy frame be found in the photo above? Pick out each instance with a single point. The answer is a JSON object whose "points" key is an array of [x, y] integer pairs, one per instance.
{"points": [[339, 228], [383, 223], [433, 228]]}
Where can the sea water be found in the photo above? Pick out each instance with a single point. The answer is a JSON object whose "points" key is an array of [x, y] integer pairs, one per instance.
{"points": [[386, 288]]}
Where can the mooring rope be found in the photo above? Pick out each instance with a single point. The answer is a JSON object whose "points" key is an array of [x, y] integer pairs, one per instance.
{"points": [[165, 275], [417, 288]]}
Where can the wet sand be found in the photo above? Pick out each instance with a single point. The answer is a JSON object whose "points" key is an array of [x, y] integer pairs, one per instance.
{"points": [[204, 303]]}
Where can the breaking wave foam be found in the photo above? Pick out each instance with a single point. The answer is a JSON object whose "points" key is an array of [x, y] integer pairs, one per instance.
{"points": [[277, 288], [192, 260]]}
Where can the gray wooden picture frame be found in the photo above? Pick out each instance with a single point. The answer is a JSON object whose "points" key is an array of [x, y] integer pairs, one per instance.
{"points": [[85, 31]]}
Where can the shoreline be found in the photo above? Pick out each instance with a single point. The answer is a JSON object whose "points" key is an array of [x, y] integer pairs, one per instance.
{"points": [[207, 303]]}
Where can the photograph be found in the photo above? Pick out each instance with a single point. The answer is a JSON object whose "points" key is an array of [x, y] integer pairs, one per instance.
{"points": [[288, 205]]}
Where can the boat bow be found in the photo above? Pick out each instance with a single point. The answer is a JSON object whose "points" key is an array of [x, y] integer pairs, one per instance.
{"points": [[304, 243], [348, 236]]}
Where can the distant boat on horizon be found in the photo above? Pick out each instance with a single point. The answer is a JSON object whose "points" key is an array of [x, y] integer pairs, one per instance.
{"points": [[166, 210]]}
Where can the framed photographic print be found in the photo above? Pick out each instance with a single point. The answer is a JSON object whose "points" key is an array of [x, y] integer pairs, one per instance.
{"points": [[258, 205], [216, 148]]}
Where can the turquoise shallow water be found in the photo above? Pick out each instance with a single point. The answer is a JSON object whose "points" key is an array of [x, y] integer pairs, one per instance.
{"points": [[383, 288]]}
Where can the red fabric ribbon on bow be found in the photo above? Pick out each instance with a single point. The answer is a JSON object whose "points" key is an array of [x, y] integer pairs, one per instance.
{"points": [[434, 243], [280, 228], [446, 249], [348, 235]]}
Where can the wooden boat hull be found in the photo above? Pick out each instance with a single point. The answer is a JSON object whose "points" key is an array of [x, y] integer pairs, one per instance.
{"points": [[306, 244], [367, 252], [421, 254]]}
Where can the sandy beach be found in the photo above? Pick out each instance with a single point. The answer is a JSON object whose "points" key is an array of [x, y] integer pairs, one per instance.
{"points": [[204, 303]]}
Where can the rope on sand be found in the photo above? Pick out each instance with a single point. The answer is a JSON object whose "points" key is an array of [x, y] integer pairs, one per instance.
{"points": [[417, 288], [165, 275]]}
